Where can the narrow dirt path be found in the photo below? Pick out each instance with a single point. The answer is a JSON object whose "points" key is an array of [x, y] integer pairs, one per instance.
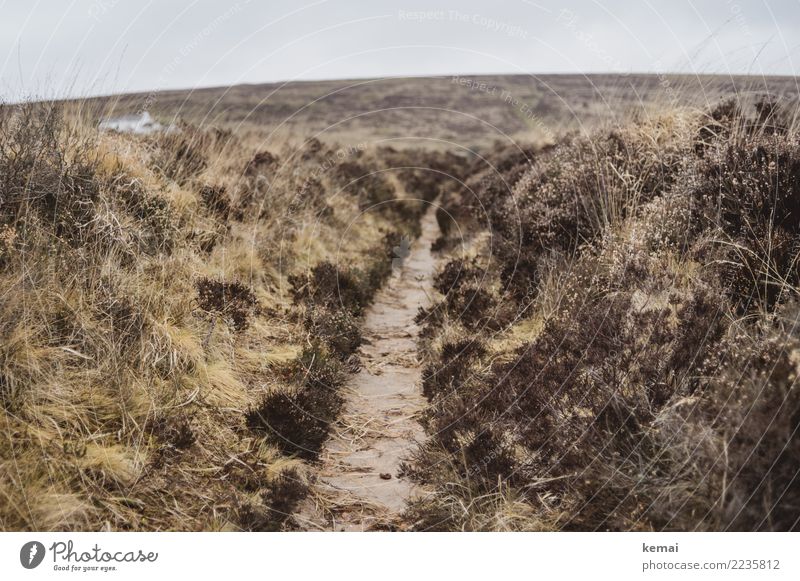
{"points": [[358, 487]]}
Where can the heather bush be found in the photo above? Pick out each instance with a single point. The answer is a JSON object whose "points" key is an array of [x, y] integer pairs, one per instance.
{"points": [[366, 182], [457, 273], [452, 368], [298, 420], [232, 300], [751, 401], [749, 191], [48, 173], [331, 287], [182, 153], [338, 330]]}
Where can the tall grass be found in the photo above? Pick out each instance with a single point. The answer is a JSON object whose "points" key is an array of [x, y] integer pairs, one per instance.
{"points": [[146, 311]]}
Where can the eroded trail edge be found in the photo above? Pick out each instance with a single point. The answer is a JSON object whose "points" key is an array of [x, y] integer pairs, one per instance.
{"points": [[358, 486]]}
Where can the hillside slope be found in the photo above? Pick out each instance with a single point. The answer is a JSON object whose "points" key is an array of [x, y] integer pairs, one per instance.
{"points": [[461, 110], [616, 340]]}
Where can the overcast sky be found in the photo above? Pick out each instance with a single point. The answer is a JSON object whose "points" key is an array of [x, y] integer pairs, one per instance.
{"points": [[84, 47]]}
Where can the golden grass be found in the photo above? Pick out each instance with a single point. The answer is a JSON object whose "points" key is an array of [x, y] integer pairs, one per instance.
{"points": [[106, 362]]}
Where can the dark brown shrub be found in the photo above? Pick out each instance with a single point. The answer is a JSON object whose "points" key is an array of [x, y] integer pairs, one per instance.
{"points": [[750, 190], [329, 287], [282, 496], [452, 367], [176, 432], [216, 200], [232, 300], [457, 273], [158, 230], [338, 330], [756, 409], [46, 173], [298, 421], [261, 163], [723, 121], [472, 306]]}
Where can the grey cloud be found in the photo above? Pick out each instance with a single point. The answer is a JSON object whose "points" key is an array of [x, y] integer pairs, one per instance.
{"points": [[105, 46]]}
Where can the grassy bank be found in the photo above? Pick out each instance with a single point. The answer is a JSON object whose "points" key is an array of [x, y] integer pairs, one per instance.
{"points": [[177, 313], [615, 343]]}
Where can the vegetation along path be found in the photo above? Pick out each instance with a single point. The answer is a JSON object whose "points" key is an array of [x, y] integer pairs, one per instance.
{"points": [[358, 485]]}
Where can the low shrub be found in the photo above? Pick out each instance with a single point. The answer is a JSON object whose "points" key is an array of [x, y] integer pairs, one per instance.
{"points": [[232, 300], [216, 200], [298, 421], [48, 173], [452, 367], [338, 330]]}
